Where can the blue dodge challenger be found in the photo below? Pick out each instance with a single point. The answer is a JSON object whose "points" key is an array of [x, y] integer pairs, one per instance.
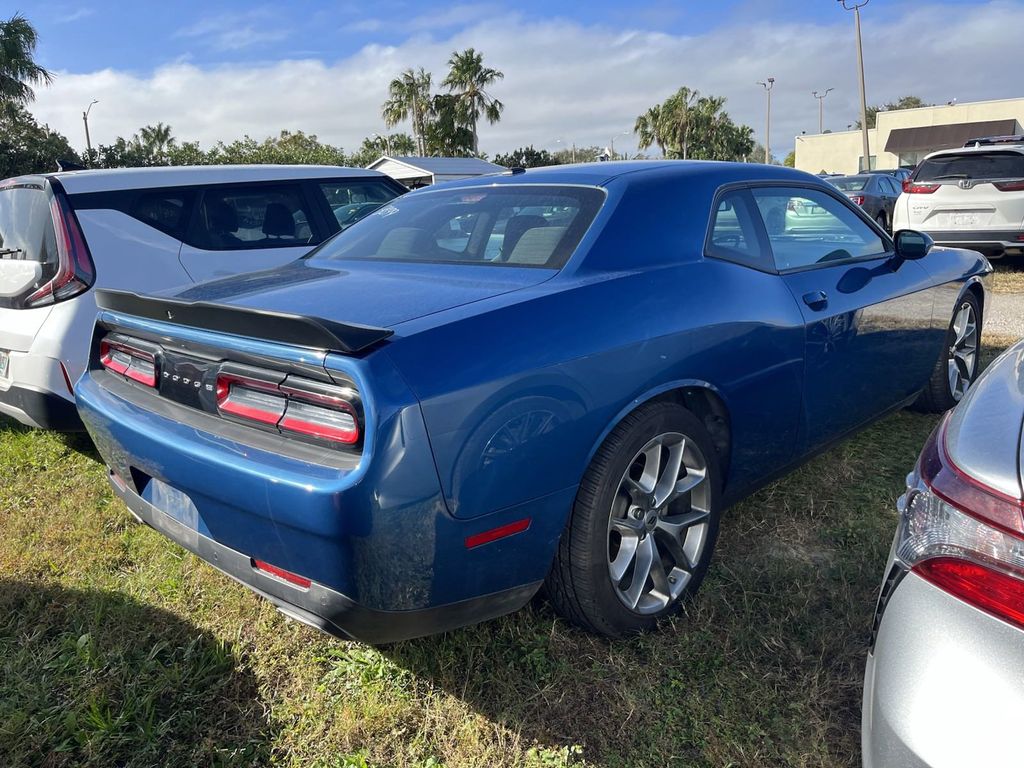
{"points": [[557, 378]]}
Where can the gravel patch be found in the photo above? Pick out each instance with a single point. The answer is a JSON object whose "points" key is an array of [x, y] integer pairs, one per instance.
{"points": [[1004, 314]]}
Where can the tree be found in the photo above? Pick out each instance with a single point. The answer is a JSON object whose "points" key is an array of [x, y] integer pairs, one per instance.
{"points": [[526, 157], [448, 132], [375, 146], [468, 80], [688, 125], [409, 98], [582, 155], [156, 140], [18, 69], [650, 129], [27, 147], [904, 102], [790, 159]]}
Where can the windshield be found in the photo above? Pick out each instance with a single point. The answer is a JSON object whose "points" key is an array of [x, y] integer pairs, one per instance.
{"points": [[973, 165], [850, 183], [514, 225]]}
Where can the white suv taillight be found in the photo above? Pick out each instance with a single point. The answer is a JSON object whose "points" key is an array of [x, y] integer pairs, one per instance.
{"points": [[75, 272], [962, 536]]}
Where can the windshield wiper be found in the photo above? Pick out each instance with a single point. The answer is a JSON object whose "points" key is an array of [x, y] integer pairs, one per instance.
{"points": [[950, 176], [10, 251]]}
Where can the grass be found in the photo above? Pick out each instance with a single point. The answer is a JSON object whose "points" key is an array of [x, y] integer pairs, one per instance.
{"points": [[118, 648], [1009, 275]]}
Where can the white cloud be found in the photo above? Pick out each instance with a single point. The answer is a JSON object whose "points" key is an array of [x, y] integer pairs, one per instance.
{"points": [[234, 31], [564, 79], [69, 15]]}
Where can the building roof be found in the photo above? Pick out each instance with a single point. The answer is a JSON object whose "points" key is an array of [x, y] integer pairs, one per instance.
{"points": [[933, 137], [442, 166], [108, 179]]}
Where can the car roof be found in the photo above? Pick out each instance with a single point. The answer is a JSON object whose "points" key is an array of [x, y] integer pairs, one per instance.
{"points": [[603, 173], [110, 179]]}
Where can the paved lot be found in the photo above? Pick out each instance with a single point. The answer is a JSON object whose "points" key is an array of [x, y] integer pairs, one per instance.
{"points": [[1005, 315]]}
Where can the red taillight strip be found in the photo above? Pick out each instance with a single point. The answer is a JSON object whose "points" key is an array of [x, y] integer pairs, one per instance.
{"points": [[272, 570], [486, 537], [914, 188], [992, 591], [74, 265], [139, 366], [969, 495]]}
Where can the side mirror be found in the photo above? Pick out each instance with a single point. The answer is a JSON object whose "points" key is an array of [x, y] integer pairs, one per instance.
{"points": [[911, 244]]}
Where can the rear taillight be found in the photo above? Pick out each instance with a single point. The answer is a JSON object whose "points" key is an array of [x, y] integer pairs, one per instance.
{"points": [[129, 360], [964, 537], [857, 199], [1017, 185], [280, 573], [915, 188], [295, 406], [75, 272]]}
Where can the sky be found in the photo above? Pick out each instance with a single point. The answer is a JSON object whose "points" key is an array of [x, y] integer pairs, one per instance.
{"points": [[574, 72]]}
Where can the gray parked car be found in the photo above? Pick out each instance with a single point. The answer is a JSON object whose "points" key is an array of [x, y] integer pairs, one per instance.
{"points": [[876, 193], [945, 675]]}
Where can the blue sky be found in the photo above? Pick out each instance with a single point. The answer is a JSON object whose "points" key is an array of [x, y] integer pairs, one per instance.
{"points": [[574, 71]]}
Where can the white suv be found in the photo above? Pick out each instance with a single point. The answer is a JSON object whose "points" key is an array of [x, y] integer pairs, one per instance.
{"points": [[972, 197], [143, 230]]}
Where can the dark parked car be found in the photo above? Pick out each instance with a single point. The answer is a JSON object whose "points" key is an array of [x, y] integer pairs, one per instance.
{"points": [[876, 193], [562, 376], [900, 174]]}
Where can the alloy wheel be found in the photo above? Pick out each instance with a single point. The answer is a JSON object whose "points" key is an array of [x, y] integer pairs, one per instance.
{"points": [[658, 527], [963, 352]]}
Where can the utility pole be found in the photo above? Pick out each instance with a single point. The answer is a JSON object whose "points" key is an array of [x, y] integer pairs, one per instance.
{"points": [[821, 108], [768, 119], [855, 6], [85, 119], [612, 145]]}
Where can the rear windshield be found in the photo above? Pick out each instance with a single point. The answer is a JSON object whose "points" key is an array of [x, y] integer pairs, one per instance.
{"points": [[973, 165], [516, 225], [26, 227], [850, 183]]}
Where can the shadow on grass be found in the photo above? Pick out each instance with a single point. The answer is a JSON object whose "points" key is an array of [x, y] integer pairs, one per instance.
{"points": [[79, 442], [91, 678]]}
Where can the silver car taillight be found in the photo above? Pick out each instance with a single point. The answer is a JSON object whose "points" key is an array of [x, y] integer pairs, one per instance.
{"points": [[962, 536]]}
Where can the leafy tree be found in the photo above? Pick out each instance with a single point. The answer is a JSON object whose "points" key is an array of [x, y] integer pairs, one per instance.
{"points": [[27, 147], [188, 153], [467, 81], [526, 157], [583, 155], [156, 140], [904, 102], [123, 153], [409, 98], [375, 146], [18, 69], [291, 148], [790, 160], [650, 128]]}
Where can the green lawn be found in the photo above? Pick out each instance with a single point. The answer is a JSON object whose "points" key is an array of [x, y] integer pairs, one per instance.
{"points": [[119, 649]]}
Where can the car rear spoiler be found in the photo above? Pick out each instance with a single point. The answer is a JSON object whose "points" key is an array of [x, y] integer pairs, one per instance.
{"points": [[300, 330]]}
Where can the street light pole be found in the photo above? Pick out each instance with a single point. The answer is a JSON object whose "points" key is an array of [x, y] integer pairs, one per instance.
{"points": [[855, 6], [611, 146], [768, 119], [85, 119], [821, 108]]}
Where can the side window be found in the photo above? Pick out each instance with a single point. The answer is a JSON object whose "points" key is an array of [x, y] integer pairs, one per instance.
{"points": [[232, 218], [165, 210], [734, 232], [351, 200], [808, 227]]}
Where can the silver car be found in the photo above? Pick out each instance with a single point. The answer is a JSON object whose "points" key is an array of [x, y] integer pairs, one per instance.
{"points": [[945, 675]]}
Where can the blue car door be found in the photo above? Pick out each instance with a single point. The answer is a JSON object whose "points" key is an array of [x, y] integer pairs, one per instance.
{"points": [[867, 317]]}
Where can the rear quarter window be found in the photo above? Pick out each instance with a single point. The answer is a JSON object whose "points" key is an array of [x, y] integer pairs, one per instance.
{"points": [[26, 225]]}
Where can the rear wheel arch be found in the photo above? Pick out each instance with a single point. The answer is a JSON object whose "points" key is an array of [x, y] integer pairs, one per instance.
{"points": [[699, 397]]}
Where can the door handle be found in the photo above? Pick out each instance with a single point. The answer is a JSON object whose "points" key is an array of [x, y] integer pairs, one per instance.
{"points": [[816, 300]]}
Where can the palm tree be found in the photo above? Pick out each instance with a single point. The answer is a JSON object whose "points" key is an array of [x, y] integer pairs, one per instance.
{"points": [[676, 112], [18, 71], [650, 128], [409, 98], [468, 80], [156, 139]]}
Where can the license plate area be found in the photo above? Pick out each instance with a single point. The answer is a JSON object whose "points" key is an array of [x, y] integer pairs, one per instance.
{"points": [[178, 516]]}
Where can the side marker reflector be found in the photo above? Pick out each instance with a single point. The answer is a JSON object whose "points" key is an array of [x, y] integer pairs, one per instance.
{"points": [[486, 537]]}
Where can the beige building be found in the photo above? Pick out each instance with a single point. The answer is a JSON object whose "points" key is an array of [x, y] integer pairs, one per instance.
{"points": [[901, 138]]}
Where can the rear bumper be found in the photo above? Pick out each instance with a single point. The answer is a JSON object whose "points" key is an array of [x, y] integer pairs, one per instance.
{"points": [[992, 243], [39, 409], [322, 607], [944, 684]]}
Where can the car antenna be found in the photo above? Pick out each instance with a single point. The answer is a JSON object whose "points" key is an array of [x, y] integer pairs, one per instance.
{"points": [[69, 165]]}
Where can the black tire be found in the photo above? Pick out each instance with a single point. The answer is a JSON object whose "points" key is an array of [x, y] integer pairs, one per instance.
{"points": [[938, 396], [580, 583]]}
